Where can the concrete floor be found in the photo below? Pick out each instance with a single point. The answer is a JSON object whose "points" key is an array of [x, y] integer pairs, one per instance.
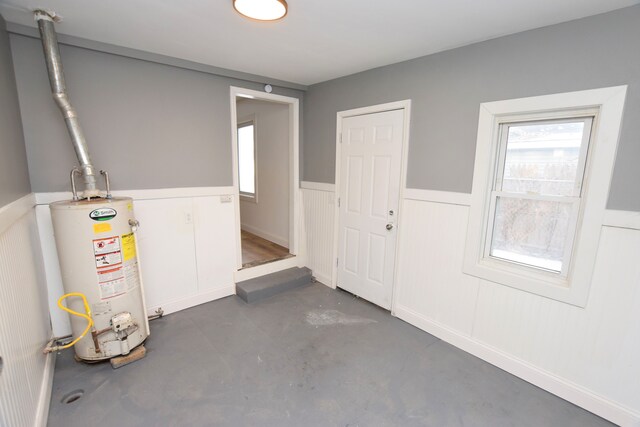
{"points": [[308, 357]]}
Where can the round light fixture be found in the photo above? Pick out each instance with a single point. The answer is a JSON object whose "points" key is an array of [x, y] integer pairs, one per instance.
{"points": [[261, 10]]}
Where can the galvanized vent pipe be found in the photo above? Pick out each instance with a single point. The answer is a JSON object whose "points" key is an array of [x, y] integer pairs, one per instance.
{"points": [[59, 92]]}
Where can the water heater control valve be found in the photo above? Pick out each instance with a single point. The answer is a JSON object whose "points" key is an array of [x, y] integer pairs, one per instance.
{"points": [[122, 321]]}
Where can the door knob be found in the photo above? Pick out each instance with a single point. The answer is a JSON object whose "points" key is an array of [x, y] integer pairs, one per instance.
{"points": [[389, 226]]}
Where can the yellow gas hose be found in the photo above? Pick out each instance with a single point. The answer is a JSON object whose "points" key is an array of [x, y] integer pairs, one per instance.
{"points": [[75, 313]]}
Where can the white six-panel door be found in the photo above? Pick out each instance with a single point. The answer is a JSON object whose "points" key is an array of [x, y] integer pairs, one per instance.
{"points": [[369, 194]]}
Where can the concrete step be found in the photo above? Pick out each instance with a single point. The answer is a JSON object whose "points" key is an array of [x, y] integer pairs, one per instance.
{"points": [[262, 287]]}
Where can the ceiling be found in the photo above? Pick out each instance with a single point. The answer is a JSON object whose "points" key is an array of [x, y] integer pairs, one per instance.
{"points": [[317, 41]]}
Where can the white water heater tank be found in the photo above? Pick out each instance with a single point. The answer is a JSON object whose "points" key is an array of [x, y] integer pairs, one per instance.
{"points": [[98, 258]]}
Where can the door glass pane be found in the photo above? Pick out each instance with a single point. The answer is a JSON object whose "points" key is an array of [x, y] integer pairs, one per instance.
{"points": [[246, 160], [543, 158], [531, 232]]}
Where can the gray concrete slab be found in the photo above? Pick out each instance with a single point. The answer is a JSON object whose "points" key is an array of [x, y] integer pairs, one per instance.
{"points": [[308, 357]]}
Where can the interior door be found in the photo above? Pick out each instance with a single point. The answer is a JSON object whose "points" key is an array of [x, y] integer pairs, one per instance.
{"points": [[369, 193]]}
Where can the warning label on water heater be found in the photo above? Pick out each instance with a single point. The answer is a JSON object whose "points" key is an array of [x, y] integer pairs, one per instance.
{"points": [[103, 246], [109, 259], [111, 275], [116, 265], [129, 246], [112, 283]]}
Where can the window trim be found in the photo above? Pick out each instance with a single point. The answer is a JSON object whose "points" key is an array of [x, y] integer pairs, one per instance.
{"points": [[249, 121], [496, 191], [608, 105]]}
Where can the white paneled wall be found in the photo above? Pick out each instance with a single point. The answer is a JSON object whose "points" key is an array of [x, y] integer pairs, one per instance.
{"points": [[589, 356], [586, 355], [319, 219], [59, 320], [215, 243], [187, 248], [432, 237], [167, 249], [597, 347], [25, 372]]}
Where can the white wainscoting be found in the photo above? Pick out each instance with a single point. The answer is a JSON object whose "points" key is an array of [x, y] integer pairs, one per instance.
{"points": [[588, 356], [319, 217], [187, 248], [623, 219], [429, 267], [27, 374]]}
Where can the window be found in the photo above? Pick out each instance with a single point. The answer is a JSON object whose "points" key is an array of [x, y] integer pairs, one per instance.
{"points": [[247, 159], [541, 179], [535, 198]]}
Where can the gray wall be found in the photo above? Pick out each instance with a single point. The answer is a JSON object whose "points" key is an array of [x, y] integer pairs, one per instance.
{"points": [[14, 175], [447, 88], [150, 125]]}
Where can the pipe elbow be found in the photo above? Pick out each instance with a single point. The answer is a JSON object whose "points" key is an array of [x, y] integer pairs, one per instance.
{"points": [[62, 100]]}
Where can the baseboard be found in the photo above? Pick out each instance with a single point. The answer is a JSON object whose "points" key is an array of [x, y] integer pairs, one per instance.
{"points": [[268, 236], [325, 280], [545, 380], [12, 212], [44, 397], [193, 300]]}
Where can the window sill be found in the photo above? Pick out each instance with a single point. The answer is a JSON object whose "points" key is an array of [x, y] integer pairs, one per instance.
{"points": [[548, 285]]}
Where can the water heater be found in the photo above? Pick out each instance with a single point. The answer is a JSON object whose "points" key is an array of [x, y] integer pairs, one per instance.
{"points": [[96, 242], [98, 258]]}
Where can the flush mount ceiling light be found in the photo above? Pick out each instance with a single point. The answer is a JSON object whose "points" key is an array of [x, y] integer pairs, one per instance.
{"points": [[261, 10]]}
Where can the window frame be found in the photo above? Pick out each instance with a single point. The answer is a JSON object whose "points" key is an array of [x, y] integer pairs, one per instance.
{"points": [[606, 105], [249, 121], [586, 116]]}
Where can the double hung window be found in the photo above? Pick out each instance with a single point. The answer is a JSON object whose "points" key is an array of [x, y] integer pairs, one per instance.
{"points": [[537, 188], [541, 181]]}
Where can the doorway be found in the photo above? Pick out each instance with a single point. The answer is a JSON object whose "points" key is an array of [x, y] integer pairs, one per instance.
{"points": [[265, 153], [371, 154]]}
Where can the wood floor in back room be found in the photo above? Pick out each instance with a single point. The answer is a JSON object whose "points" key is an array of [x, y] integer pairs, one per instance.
{"points": [[257, 251]]}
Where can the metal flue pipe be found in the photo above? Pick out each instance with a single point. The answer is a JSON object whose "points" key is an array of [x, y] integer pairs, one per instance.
{"points": [[59, 92]]}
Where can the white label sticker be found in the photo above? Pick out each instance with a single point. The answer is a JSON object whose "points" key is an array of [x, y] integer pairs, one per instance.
{"points": [[117, 275], [112, 282], [100, 308], [104, 246], [107, 275], [132, 275], [113, 288], [108, 260]]}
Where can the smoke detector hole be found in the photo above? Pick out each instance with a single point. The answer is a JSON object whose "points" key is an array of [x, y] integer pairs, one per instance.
{"points": [[72, 397]]}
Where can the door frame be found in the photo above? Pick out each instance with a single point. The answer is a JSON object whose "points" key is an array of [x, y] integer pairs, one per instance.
{"points": [[295, 248], [404, 105]]}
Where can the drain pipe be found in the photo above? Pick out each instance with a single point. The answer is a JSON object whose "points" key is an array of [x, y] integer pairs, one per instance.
{"points": [[59, 91]]}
